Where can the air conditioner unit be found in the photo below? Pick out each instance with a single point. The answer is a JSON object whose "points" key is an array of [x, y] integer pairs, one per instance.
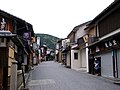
{"points": [[3, 42]]}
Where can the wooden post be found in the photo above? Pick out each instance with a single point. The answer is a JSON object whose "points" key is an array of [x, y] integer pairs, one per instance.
{"points": [[23, 77]]}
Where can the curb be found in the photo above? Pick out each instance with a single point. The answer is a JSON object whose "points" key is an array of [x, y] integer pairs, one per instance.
{"points": [[27, 75]]}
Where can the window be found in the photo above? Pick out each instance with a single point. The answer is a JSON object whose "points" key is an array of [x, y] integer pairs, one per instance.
{"points": [[75, 55]]}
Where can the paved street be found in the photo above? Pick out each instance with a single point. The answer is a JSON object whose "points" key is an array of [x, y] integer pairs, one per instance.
{"points": [[54, 76]]}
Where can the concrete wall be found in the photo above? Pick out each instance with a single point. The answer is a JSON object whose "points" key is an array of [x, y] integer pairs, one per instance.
{"points": [[81, 32]]}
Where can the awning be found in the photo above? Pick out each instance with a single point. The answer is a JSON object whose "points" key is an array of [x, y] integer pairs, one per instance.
{"points": [[93, 43], [17, 41]]}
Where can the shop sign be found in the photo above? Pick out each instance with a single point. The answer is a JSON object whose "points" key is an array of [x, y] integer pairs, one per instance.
{"points": [[110, 43], [27, 35]]}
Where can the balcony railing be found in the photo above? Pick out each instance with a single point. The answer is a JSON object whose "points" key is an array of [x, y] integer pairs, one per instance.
{"points": [[92, 39], [80, 41]]}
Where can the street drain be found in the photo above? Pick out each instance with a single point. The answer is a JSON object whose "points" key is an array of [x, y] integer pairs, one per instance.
{"points": [[41, 82]]}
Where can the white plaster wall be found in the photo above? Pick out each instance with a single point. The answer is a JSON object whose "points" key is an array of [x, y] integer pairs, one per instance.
{"points": [[75, 64], [80, 32]]}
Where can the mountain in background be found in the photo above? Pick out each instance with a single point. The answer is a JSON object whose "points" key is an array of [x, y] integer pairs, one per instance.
{"points": [[48, 40]]}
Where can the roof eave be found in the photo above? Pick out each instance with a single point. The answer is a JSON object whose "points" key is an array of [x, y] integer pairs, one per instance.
{"points": [[114, 5]]}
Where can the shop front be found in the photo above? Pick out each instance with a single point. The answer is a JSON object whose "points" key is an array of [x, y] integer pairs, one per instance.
{"points": [[108, 52]]}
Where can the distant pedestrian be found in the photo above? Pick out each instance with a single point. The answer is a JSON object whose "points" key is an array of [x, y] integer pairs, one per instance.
{"points": [[97, 67]]}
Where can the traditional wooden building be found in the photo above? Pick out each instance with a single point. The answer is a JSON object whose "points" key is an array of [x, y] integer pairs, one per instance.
{"points": [[70, 42], [81, 39], [58, 51], [15, 44], [105, 45]]}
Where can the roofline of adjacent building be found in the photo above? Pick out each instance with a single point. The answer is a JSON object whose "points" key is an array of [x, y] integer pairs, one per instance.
{"points": [[10, 16], [77, 27]]}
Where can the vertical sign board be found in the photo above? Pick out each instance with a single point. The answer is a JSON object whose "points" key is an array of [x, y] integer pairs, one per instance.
{"points": [[38, 41], [27, 35]]}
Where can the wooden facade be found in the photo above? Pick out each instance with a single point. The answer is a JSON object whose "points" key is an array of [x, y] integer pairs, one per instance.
{"points": [[107, 46], [13, 47], [110, 23], [6, 55]]}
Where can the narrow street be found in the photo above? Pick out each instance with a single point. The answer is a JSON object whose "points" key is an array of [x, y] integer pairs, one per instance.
{"points": [[51, 75]]}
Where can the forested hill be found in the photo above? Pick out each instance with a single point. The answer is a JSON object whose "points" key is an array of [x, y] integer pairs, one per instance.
{"points": [[48, 40]]}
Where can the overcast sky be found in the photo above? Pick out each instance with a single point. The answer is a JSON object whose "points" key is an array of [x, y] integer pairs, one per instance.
{"points": [[54, 17]]}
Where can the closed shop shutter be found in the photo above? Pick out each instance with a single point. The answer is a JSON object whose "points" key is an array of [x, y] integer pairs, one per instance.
{"points": [[107, 65], [83, 57], [118, 62]]}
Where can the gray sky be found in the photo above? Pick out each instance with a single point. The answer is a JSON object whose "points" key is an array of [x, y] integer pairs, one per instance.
{"points": [[54, 17]]}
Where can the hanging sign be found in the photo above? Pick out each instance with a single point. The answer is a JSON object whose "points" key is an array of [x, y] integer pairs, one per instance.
{"points": [[97, 49], [85, 38]]}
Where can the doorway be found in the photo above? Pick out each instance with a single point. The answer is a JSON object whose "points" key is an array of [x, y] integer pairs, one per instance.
{"points": [[92, 65], [98, 66], [3, 68]]}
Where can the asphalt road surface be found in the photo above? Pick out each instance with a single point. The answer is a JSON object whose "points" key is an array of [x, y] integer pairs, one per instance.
{"points": [[51, 75]]}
